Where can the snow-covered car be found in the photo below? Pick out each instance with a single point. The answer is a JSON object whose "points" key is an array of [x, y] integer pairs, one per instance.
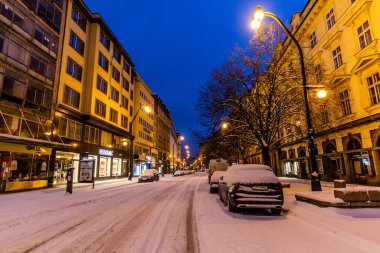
{"points": [[251, 186], [149, 175], [177, 173], [214, 181]]}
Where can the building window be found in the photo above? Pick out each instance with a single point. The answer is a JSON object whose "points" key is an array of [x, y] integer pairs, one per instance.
{"points": [[101, 85], [103, 62], [91, 135], [79, 18], [124, 102], [130, 111], [42, 37], [337, 56], [313, 39], [115, 74], [345, 102], [70, 129], [104, 40], [324, 114], [38, 97], [114, 94], [113, 115], [126, 67], [100, 108], [116, 54], [318, 74], [76, 43], [71, 97], [73, 69], [330, 18], [374, 88], [364, 35], [106, 139], [131, 95], [37, 65], [124, 121], [125, 84]]}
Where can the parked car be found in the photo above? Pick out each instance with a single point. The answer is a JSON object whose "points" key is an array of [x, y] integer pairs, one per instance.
{"points": [[251, 186], [149, 175], [214, 181], [177, 173]]}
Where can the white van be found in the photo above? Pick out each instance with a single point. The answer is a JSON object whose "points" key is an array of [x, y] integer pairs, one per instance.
{"points": [[216, 165]]}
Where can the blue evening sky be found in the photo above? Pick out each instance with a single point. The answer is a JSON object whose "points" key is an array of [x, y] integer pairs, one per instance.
{"points": [[176, 43]]}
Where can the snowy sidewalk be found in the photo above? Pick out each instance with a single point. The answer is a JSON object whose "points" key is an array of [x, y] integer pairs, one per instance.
{"points": [[326, 198]]}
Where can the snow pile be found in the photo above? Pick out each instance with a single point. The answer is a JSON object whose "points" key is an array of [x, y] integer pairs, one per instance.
{"points": [[216, 176], [249, 174]]}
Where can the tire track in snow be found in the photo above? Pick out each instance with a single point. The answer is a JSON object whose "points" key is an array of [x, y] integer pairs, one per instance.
{"points": [[48, 234], [34, 247]]}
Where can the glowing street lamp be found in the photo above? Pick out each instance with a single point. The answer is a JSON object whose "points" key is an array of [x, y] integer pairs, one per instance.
{"points": [[255, 24], [321, 94]]}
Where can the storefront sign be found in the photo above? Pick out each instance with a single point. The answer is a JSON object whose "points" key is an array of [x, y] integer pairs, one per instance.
{"points": [[27, 149], [86, 171], [105, 152]]}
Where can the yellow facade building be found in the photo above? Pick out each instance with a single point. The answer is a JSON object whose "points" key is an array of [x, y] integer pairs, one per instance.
{"points": [[94, 96], [339, 39]]}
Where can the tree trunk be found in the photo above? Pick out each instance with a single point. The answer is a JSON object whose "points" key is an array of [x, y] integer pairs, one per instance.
{"points": [[266, 155]]}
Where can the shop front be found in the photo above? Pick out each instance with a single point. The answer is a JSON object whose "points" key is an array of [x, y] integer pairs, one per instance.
{"points": [[23, 166], [63, 161], [141, 163], [359, 160], [332, 162], [105, 158]]}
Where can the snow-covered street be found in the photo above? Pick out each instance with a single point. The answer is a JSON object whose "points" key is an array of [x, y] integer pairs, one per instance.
{"points": [[175, 214]]}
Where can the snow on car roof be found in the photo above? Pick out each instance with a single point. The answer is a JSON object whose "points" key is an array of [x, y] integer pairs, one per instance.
{"points": [[249, 174], [148, 172], [216, 175]]}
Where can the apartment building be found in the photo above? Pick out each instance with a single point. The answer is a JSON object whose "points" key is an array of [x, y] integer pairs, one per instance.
{"points": [[339, 39], [162, 134], [145, 153], [29, 52], [94, 96]]}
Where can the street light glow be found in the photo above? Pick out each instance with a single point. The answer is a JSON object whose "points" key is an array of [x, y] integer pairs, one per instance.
{"points": [[147, 109], [321, 94], [225, 125], [257, 18]]}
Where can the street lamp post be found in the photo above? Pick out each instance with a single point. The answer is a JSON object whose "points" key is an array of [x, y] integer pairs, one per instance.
{"points": [[130, 172], [125, 143], [176, 142], [315, 182]]}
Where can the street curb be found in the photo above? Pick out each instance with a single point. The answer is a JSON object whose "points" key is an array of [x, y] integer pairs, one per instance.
{"points": [[322, 203]]}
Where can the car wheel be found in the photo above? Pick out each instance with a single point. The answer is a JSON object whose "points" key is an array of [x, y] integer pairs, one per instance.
{"points": [[231, 208], [276, 211]]}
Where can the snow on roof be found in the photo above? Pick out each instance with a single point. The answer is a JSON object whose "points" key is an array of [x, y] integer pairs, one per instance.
{"points": [[249, 174]]}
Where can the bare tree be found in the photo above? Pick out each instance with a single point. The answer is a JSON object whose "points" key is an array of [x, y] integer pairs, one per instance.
{"points": [[255, 92]]}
